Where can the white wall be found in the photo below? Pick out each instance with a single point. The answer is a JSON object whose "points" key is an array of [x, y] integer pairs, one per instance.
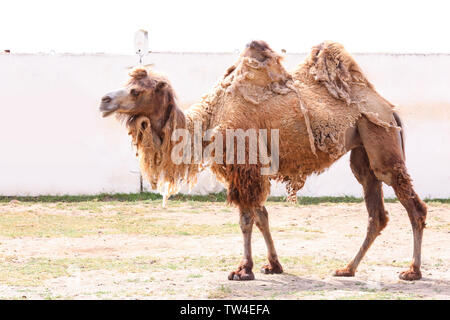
{"points": [[53, 140]]}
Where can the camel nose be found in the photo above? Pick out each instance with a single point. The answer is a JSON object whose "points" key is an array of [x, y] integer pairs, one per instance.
{"points": [[106, 99]]}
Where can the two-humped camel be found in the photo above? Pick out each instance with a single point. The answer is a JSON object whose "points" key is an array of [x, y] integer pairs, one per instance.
{"points": [[323, 109]]}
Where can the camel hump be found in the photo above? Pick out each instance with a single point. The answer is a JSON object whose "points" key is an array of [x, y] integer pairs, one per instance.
{"points": [[333, 66], [259, 45], [259, 50]]}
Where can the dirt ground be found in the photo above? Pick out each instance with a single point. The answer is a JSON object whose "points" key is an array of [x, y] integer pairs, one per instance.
{"points": [[137, 250]]}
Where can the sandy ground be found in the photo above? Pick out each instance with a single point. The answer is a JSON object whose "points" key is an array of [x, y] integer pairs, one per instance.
{"points": [[201, 243]]}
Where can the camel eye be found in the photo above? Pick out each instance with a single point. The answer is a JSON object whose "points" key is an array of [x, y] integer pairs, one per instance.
{"points": [[134, 92]]}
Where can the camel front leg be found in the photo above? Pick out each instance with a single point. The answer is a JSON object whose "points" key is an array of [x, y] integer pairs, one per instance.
{"points": [[244, 271], [262, 222]]}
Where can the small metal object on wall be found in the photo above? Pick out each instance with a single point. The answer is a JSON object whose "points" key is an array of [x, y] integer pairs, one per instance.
{"points": [[141, 43]]}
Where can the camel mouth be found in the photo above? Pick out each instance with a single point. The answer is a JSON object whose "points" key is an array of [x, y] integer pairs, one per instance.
{"points": [[107, 109], [107, 113]]}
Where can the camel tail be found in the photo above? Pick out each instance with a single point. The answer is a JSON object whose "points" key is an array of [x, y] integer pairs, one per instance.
{"points": [[402, 132]]}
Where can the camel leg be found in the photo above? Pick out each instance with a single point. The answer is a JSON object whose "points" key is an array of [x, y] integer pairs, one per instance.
{"points": [[262, 222], [244, 271], [373, 196], [387, 161], [417, 212]]}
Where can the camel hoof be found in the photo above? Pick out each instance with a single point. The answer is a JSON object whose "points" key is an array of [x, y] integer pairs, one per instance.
{"points": [[344, 273], [272, 268], [410, 275], [241, 275]]}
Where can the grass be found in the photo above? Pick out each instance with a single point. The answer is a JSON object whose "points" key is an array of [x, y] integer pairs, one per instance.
{"points": [[79, 219], [380, 295], [33, 223], [213, 197], [222, 292], [31, 273], [77, 216], [35, 271], [311, 265]]}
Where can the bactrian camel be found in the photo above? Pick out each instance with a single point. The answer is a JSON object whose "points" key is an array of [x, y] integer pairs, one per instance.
{"points": [[323, 109]]}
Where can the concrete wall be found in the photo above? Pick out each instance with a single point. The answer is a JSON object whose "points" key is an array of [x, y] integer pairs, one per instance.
{"points": [[53, 140]]}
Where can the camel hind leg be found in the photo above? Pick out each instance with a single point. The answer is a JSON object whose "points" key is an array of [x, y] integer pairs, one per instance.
{"points": [[386, 157], [373, 196]]}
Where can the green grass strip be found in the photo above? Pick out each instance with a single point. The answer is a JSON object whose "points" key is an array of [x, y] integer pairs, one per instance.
{"points": [[213, 197]]}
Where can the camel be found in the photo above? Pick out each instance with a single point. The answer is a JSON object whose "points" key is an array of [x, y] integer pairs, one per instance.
{"points": [[321, 110]]}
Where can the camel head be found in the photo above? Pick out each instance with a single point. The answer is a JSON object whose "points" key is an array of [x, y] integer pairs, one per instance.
{"points": [[146, 93], [147, 105]]}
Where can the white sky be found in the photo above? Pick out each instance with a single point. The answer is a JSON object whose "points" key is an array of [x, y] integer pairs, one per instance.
{"points": [[227, 25]]}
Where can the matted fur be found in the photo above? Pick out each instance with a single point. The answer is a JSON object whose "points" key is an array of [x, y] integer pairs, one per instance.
{"points": [[312, 107], [155, 155], [153, 151], [337, 93], [335, 68], [325, 108]]}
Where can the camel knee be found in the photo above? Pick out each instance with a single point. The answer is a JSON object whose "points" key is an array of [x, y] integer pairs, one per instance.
{"points": [[261, 218], [373, 196], [393, 172], [246, 227], [378, 223], [402, 184], [383, 221], [261, 225], [419, 215], [422, 209], [246, 220]]}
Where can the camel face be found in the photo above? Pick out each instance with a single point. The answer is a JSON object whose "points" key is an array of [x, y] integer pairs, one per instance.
{"points": [[145, 93], [115, 101], [129, 100]]}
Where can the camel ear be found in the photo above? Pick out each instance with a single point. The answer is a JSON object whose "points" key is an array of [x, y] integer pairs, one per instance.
{"points": [[138, 73]]}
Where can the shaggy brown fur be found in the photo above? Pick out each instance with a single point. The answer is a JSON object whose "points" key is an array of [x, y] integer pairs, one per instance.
{"points": [[323, 109], [337, 93]]}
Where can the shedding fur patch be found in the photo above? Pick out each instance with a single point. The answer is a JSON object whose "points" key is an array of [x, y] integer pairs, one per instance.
{"points": [[155, 155], [334, 89], [258, 81], [319, 101], [333, 66]]}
